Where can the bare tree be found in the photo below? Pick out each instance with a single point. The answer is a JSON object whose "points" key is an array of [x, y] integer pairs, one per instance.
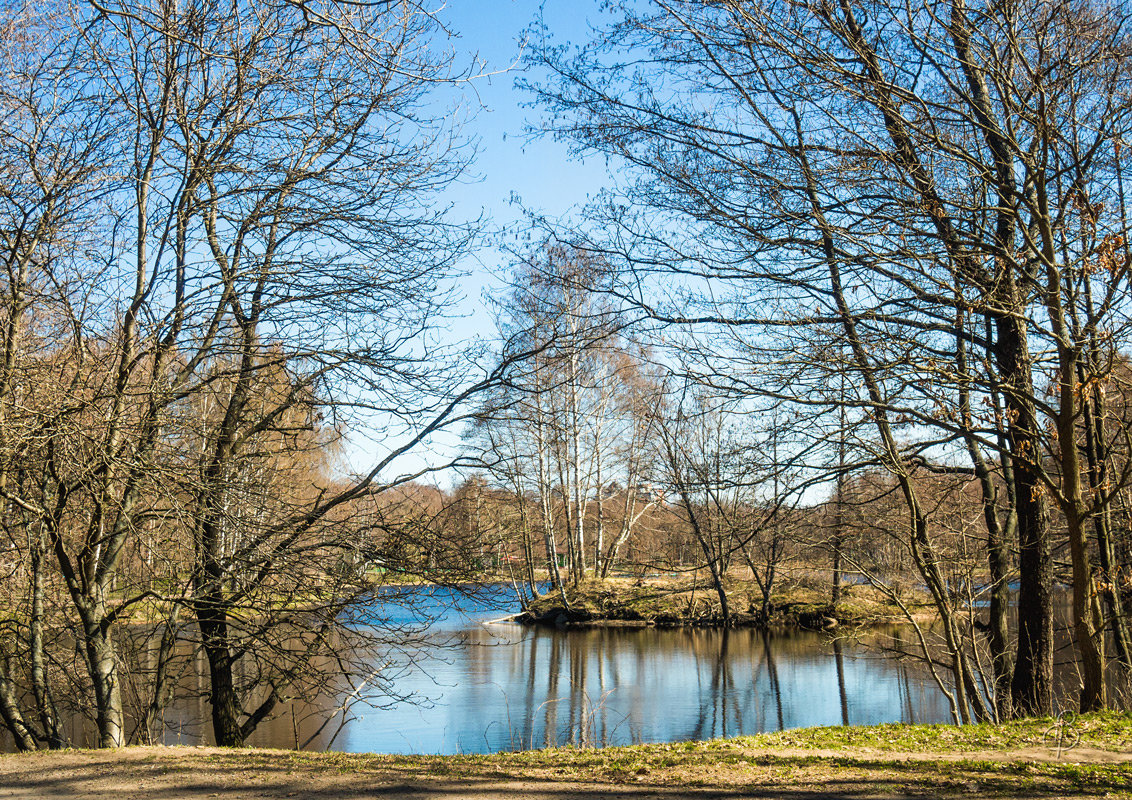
{"points": [[930, 185], [572, 416], [259, 274]]}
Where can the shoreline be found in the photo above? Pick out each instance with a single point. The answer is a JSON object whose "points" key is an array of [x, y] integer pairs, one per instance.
{"points": [[639, 605]]}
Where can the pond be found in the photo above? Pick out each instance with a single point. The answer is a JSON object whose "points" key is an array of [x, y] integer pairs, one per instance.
{"points": [[500, 686], [486, 685]]}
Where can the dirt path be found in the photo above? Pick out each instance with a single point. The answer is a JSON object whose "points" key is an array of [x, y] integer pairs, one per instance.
{"points": [[158, 773]]}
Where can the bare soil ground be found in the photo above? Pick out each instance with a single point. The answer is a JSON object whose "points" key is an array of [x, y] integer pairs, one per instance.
{"points": [[184, 773]]}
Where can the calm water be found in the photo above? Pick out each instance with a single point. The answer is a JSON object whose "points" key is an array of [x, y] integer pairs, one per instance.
{"points": [[502, 686], [491, 686]]}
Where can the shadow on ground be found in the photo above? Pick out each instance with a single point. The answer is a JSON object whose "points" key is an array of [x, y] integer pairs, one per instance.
{"points": [[190, 774]]}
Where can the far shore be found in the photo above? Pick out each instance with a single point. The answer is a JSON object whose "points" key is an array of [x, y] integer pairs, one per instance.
{"points": [[669, 603]]}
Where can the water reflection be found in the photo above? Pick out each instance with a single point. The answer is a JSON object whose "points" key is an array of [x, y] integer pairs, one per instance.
{"points": [[490, 687], [510, 688]]}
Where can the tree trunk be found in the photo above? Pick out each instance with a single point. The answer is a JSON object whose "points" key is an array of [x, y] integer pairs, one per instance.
{"points": [[226, 710], [1094, 416], [103, 666], [48, 715], [11, 713], [710, 556], [998, 553], [1032, 683], [163, 688], [839, 515]]}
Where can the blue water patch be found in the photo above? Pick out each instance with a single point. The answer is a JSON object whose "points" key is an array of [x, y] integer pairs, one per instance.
{"points": [[480, 685], [440, 608]]}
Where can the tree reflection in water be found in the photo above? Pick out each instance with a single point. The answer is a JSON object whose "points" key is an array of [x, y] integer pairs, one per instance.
{"points": [[839, 659], [513, 688], [504, 687]]}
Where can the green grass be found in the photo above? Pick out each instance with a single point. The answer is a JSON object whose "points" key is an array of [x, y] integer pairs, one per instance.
{"points": [[919, 760], [1103, 731], [1106, 731], [771, 757], [780, 759]]}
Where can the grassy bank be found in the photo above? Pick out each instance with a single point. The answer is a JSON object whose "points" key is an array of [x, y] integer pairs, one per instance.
{"points": [[1015, 759], [981, 761], [678, 602]]}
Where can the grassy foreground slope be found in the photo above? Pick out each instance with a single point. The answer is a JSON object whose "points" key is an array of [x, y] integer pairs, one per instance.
{"points": [[822, 763]]}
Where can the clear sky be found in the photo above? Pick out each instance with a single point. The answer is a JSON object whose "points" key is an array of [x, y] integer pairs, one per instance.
{"points": [[535, 171], [511, 172]]}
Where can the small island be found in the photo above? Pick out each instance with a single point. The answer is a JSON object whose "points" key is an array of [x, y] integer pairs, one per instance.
{"points": [[678, 602]]}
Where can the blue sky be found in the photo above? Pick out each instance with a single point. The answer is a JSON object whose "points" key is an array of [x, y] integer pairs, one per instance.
{"points": [[510, 175], [511, 172], [537, 171]]}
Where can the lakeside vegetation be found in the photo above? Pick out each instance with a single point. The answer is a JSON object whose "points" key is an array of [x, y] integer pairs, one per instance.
{"points": [[679, 602]]}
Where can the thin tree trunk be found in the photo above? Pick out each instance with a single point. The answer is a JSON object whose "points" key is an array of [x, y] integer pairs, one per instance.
{"points": [[1086, 611], [11, 713], [41, 689]]}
